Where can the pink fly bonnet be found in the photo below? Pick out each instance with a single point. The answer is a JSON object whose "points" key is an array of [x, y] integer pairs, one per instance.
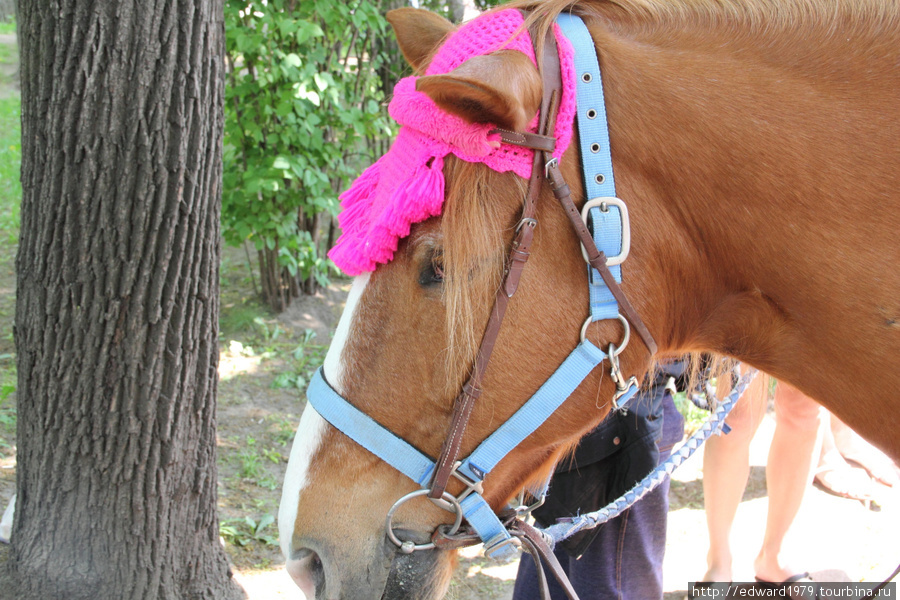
{"points": [[406, 185]]}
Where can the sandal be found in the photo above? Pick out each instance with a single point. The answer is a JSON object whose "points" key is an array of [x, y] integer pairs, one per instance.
{"points": [[793, 584]]}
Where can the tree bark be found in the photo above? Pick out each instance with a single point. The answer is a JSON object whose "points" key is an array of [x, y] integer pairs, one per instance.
{"points": [[116, 322]]}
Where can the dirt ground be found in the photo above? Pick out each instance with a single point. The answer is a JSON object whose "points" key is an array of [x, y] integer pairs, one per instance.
{"points": [[835, 539]]}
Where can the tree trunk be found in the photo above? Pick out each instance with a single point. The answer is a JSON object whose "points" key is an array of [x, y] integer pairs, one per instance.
{"points": [[7, 10], [462, 10], [116, 322], [279, 287]]}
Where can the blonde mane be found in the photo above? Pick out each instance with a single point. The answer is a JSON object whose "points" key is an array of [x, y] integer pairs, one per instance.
{"points": [[475, 227]]}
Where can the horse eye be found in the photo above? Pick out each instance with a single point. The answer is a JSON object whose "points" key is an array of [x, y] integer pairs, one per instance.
{"points": [[432, 273]]}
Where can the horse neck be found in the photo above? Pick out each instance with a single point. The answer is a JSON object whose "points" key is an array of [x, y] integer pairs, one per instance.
{"points": [[749, 178]]}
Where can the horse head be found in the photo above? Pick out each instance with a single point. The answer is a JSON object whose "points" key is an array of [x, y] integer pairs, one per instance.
{"points": [[733, 127], [408, 336]]}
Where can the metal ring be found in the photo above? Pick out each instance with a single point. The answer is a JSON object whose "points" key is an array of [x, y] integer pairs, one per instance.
{"points": [[587, 77], [599, 178], [595, 147], [591, 113], [408, 547], [627, 336]]}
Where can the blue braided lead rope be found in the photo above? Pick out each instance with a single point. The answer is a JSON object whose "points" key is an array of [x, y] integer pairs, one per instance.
{"points": [[565, 528]]}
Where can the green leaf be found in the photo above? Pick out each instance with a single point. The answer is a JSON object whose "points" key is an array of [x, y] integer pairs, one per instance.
{"points": [[307, 30], [292, 60]]}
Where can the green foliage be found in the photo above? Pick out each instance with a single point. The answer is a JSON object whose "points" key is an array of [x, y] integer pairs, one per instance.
{"points": [[10, 160], [243, 532], [8, 26], [302, 99], [250, 461], [307, 357]]}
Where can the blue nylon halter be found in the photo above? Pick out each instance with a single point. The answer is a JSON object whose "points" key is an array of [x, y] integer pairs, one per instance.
{"points": [[608, 227]]}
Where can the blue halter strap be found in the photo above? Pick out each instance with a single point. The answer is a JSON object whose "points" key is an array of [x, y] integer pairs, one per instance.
{"points": [[608, 218]]}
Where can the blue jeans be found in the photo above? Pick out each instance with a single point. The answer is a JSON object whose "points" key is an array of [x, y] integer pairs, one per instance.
{"points": [[624, 561]]}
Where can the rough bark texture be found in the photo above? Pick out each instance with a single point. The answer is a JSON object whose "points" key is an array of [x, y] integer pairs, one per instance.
{"points": [[116, 322]]}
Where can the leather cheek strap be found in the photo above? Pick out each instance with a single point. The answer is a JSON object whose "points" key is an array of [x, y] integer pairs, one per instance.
{"points": [[519, 253]]}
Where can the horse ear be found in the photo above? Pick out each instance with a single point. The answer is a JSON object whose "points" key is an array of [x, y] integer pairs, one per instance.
{"points": [[502, 88], [419, 33]]}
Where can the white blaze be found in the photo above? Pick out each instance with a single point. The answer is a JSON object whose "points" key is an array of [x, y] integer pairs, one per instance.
{"points": [[312, 425]]}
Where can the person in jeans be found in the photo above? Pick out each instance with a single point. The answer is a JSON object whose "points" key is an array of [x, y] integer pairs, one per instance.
{"points": [[623, 558]]}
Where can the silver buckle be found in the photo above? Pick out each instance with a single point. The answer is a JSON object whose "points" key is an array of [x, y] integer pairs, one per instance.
{"points": [[526, 221], [523, 510], [632, 382], [550, 164], [603, 203], [472, 486]]}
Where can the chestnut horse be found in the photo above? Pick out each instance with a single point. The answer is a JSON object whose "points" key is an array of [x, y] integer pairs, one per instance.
{"points": [[758, 147]]}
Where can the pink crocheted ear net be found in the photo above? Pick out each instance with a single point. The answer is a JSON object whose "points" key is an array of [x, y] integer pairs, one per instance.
{"points": [[406, 185]]}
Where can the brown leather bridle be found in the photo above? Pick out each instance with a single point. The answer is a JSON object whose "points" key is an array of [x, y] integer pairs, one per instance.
{"points": [[544, 166]]}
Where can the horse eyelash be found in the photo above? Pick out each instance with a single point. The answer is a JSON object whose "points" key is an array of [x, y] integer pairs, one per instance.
{"points": [[433, 270]]}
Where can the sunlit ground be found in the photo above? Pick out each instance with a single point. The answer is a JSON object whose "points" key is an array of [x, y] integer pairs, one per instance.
{"points": [[833, 538]]}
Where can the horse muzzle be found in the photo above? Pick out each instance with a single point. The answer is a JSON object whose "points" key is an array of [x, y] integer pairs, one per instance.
{"points": [[388, 574]]}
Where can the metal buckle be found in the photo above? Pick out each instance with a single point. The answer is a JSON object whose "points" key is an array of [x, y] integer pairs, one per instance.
{"points": [[632, 382], [472, 486], [603, 203], [523, 510], [550, 164], [615, 373], [408, 546], [526, 221]]}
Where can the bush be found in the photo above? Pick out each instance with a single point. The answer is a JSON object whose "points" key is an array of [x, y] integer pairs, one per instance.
{"points": [[302, 108]]}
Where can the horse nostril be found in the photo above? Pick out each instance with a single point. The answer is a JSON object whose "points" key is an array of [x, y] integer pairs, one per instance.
{"points": [[307, 572]]}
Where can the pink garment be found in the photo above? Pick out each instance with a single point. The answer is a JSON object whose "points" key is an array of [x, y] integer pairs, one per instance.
{"points": [[406, 185]]}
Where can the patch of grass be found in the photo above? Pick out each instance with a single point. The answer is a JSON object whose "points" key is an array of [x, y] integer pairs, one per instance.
{"points": [[237, 318], [8, 54], [283, 429], [8, 26], [307, 357], [10, 162], [247, 531], [250, 460]]}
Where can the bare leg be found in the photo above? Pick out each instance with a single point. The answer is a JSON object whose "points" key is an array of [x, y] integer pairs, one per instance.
{"points": [[835, 474], [788, 474], [726, 466], [853, 447]]}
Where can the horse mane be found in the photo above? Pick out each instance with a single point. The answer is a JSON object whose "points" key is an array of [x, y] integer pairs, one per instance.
{"points": [[842, 22], [475, 226]]}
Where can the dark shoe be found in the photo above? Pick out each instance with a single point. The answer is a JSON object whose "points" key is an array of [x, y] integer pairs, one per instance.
{"points": [[794, 585]]}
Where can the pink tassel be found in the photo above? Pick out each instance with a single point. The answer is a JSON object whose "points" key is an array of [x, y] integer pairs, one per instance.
{"points": [[363, 187], [419, 197]]}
